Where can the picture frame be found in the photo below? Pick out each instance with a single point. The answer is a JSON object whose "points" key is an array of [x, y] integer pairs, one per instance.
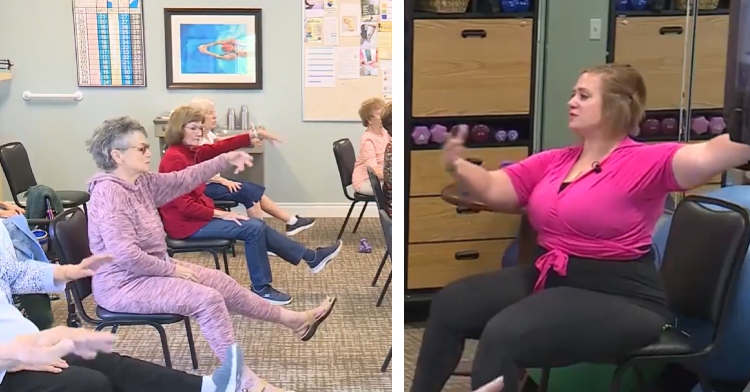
{"points": [[214, 48]]}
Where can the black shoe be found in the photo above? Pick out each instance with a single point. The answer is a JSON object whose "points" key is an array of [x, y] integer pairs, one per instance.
{"points": [[301, 225]]}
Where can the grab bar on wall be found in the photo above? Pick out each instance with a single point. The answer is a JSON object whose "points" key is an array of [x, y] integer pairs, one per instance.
{"points": [[28, 95]]}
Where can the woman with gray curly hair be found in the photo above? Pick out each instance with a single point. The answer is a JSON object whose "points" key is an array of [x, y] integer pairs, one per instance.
{"points": [[142, 278]]}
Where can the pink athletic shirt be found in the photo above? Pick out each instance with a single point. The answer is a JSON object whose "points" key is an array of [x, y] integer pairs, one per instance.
{"points": [[609, 215]]}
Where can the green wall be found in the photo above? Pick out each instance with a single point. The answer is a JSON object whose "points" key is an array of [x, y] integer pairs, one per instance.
{"points": [[568, 50]]}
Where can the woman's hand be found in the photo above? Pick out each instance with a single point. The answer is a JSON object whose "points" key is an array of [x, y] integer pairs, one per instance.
{"points": [[233, 186], [231, 216], [56, 366], [185, 273], [264, 134], [84, 269], [495, 385], [240, 160], [9, 210], [43, 349], [453, 149]]}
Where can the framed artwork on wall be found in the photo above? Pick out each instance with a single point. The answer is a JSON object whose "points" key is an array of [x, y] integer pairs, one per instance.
{"points": [[214, 48]]}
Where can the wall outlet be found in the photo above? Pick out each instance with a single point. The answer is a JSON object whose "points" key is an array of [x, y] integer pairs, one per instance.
{"points": [[595, 29]]}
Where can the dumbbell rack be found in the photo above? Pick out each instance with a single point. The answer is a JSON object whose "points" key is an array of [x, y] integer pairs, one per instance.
{"points": [[440, 50], [653, 40]]}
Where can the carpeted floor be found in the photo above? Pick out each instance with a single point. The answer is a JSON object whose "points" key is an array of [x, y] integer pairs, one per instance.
{"points": [[346, 353]]}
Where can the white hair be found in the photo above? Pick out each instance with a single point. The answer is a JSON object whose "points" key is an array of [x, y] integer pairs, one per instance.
{"points": [[205, 105]]}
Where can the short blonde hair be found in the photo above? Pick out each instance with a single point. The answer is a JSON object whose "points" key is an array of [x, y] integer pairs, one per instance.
{"points": [[205, 105], [623, 96], [386, 117], [368, 107], [183, 115]]}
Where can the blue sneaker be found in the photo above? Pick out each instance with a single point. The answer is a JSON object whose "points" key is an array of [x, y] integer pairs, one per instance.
{"points": [[273, 296], [323, 256], [228, 377]]}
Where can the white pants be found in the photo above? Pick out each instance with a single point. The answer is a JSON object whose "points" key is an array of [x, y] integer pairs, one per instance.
{"points": [[365, 188]]}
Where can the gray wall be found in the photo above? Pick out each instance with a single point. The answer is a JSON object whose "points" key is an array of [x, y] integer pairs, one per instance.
{"points": [[37, 35], [568, 51]]}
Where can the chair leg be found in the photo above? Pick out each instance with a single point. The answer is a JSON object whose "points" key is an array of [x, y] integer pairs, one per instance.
{"points": [[380, 269], [346, 220], [73, 320], [216, 258], [544, 380], [704, 382], [616, 383], [234, 251], [385, 288], [164, 344], [387, 360], [640, 380], [226, 262], [361, 214], [85, 209], [191, 343]]}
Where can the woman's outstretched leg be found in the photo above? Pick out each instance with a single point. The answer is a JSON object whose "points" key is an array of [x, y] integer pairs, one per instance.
{"points": [[242, 301]]}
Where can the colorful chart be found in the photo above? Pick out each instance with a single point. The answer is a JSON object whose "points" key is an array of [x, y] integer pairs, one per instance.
{"points": [[109, 43]]}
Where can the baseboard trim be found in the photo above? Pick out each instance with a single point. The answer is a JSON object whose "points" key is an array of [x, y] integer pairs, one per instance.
{"points": [[328, 210], [321, 210]]}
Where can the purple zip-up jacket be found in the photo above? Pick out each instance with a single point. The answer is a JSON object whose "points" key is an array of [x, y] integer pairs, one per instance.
{"points": [[123, 222]]}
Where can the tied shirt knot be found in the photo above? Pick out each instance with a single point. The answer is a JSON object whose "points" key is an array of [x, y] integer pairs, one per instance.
{"points": [[553, 260]]}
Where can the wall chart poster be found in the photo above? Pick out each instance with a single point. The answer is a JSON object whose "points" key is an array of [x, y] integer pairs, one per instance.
{"points": [[109, 43]]}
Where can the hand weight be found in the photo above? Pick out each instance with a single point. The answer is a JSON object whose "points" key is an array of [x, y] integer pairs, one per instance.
{"points": [[506, 163], [420, 135], [699, 125], [501, 135], [512, 135], [638, 5], [479, 134], [439, 133], [650, 127], [717, 125], [669, 126]]}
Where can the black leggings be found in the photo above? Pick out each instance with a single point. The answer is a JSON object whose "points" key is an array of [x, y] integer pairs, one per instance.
{"points": [[555, 327], [105, 373]]}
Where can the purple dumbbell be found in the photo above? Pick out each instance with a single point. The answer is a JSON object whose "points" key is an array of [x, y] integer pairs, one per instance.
{"points": [[699, 125], [480, 133], [512, 135], [420, 135], [501, 135], [717, 125], [669, 126], [439, 133], [650, 127]]}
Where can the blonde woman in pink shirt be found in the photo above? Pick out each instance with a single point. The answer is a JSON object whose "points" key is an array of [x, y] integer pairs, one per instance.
{"points": [[593, 293], [371, 147]]}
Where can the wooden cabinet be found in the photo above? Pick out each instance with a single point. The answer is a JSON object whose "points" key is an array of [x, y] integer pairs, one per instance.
{"points": [[436, 265], [472, 67]]}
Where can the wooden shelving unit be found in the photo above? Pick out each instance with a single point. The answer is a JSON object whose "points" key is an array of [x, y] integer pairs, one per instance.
{"points": [[462, 69]]}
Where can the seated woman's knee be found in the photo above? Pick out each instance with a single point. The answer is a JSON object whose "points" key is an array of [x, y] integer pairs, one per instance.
{"points": [[79, 379], [502, 332], [251, 228], [446, 307]]}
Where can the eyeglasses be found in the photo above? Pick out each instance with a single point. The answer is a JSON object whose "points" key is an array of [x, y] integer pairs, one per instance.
{"points": [[142, 148], [195, 129]]}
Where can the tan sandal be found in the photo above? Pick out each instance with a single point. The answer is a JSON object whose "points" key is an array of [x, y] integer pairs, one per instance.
{"points": [[261, 387], [310, 326]]}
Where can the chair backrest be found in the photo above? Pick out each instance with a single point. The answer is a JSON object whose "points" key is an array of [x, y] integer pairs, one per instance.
{"points": [[377, 189], [385, 222], [17, 168], [706, 247], [343, 151], [70, 240]]}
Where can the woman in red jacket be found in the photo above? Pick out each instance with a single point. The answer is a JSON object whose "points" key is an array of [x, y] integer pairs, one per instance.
{"points": [[193, 215]]}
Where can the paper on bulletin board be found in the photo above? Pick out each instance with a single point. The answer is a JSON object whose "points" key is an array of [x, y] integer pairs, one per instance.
{"points": [[370, 10], [386, 10], [349, 17], [347, 62], [314, 31], [385, 40], [331, 7], [330, 31], [320, 67], [386, 69]]}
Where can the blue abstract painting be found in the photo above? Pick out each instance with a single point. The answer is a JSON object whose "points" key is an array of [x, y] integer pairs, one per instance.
{"points": [[216, 49]]}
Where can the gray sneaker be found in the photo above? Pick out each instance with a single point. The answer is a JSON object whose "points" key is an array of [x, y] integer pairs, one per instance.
{"points": [[301, 225], [273, 296]]}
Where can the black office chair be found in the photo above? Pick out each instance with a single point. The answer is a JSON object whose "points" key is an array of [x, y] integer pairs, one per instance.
{"points": [[700, 269], [343, 151], [377, 191], [385, 222], [213, 246], [227, 205], [20, 176], [69, 236]]}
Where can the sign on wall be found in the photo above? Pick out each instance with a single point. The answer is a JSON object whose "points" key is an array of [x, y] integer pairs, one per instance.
{"points": [[109, 43]]}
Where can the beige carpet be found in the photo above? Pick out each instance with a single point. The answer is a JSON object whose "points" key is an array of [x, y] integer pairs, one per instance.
{"points": [[346, 353]]}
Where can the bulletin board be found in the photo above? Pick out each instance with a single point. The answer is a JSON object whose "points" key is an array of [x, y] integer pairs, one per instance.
{"points": [[347, 56]]}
